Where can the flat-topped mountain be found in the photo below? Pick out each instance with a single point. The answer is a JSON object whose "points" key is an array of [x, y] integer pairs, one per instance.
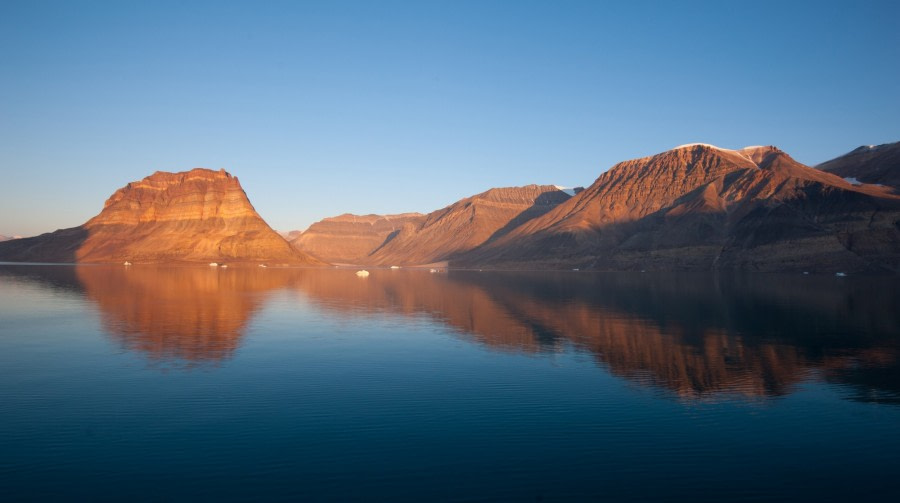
{"points": [[195, 216], [879, 164], [350, 239], [702, 207]]}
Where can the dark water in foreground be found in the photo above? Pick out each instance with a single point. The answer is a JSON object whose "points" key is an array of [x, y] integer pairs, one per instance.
{"points": [[245, 384]]}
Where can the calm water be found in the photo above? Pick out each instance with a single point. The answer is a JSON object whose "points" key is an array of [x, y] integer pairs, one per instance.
{"points": [[241, 384]]}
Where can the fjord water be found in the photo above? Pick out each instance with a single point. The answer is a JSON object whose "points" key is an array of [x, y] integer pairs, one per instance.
{"points": [[156, 383]]}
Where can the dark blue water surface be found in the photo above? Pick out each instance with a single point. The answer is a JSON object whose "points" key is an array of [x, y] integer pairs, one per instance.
{"points": [[153, 383]]}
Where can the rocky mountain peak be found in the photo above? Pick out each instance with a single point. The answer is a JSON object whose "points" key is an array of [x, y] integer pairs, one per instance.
{"points": [[199, 215]]}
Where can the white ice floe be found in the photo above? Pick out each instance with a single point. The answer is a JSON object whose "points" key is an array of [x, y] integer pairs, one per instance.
{"points": [[363, 273]]}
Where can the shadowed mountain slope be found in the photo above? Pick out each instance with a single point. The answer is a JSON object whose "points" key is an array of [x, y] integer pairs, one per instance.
{"points": [[879, 164], [702, 207], [467, 224], [415, 239]]}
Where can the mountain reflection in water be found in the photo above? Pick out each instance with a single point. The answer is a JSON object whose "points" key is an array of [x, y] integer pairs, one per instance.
{"points": [[186, 314], [694, 335]]}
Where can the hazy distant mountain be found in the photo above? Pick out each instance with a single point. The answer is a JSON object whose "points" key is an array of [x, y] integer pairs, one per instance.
{"points": [[702, 207], [195, 216], [868, 164], [6, 238], [350, 239]]}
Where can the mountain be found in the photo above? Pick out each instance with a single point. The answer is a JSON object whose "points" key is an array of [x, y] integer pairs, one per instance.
{"points": [[7, 238], [466, 224], [195, 216], [349, 239], [416, 239], [868, 164], [702, 207]]}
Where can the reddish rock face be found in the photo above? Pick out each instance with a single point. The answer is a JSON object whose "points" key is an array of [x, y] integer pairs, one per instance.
{"points": [[195, 216], [415, 239], [467, 224], [350, 239], [878, 164], [701, 207]]}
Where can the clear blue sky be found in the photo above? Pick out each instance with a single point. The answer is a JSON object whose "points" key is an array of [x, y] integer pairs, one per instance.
{"points": [[327, 107]]}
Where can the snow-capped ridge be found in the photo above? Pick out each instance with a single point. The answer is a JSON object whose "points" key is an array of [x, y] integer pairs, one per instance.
{"points": [[568, 190], [688, 145]]}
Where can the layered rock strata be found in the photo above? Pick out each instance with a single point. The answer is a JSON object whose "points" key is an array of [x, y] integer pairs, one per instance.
{"points": [[195, 216]]}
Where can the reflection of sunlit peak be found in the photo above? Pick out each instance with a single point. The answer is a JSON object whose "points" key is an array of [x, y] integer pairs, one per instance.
{"points": [[176, 315]]}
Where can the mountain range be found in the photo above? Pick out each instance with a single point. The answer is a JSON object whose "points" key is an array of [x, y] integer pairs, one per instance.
{"points": [[693, 207], [442, 235], [696, 206], [702, 207]]}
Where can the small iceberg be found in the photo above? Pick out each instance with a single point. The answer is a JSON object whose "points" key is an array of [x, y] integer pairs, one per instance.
{"points": [[224, 266], [576, 269], [840, 274], [363, 273], [263, 265], [127, 263], [432, 271], [395, 267], [213, 264]]}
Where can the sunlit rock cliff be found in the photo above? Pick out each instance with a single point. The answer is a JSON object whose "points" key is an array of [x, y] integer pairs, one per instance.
{"points": [[442, 235], [195, 216], [350, 239]]}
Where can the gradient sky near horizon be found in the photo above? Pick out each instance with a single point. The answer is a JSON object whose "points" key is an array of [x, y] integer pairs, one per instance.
{"points": [[323, 108]]}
